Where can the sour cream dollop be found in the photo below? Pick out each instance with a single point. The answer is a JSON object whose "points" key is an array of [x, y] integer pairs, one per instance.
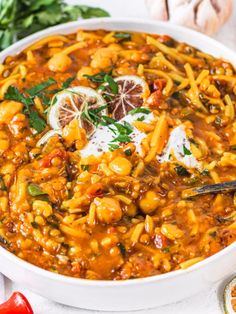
{"points": [[103, 136], [177, 146]]}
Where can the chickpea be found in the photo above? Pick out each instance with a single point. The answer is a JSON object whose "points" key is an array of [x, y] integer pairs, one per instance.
{"points": [[8, 109], [59, 63], [17, 124], [130, 210], [121, 166], [42, 207], [105, 57], [108, 209], [149, 202]]}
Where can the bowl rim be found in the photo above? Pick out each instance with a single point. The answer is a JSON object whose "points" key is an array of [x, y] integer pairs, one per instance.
{"points": [[22, 44]]}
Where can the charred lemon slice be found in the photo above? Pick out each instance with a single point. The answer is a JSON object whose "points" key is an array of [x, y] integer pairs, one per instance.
{"points": [[131, 93], [230, 297], [81, 103]]}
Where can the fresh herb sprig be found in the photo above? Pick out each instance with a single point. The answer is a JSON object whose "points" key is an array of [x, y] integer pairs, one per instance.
{"points": [[20, 18], [104, 77], [27, 99], [186, 151], [122, 36]]}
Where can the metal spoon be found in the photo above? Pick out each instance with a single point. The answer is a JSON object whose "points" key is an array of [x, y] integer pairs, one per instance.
{"points": [[212, 188]]}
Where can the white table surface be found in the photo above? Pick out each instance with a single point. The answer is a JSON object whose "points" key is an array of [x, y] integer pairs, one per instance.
{"points": [[207, 302]]}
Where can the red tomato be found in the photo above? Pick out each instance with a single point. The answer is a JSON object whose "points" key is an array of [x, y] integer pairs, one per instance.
{"points": [[17, 304], [159, 84], [45, 162]]}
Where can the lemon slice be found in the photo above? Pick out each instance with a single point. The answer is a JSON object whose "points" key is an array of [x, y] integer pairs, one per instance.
{"points": [[230, 297], [132, 92], [75, 103]]}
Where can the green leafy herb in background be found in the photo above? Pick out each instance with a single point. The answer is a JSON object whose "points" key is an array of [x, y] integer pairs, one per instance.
{"points": [[20, 18]]}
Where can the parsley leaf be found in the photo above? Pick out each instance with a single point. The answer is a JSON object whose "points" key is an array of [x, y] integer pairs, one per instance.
{"points": [[122, 138], [123, 36], [14, 94], [36, 122], [113, 147], [96, 78], [35, 190], [139, 110], [141, 118], [33, 91], [104, 77], [186, 151], [112, 84], [20, 18], [67, 82]]}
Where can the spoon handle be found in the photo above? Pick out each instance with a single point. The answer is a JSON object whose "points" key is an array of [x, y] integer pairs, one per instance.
{"points": [[212, 188]]}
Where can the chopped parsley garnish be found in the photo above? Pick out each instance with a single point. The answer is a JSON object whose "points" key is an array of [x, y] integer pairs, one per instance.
{"points": [[122, 138], [36, 122], [104, 77], [96, 78], [92, 114], [67, 82], [141, 118], [139, 110], [113, 147], [105, 120], [122, 36], [84, 167], [35, 190], [124, 129], [14, 94], [181, 171], [186, 151], [112, 84], [165, 249], [33, 91]]}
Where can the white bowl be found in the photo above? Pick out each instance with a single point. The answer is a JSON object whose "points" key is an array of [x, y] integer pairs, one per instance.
{"points": [[136, 293]]}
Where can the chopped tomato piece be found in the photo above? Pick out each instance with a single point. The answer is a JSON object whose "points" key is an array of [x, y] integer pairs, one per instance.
{"points": [[155, 99], [160, 241], [45, 162], [159, 84]]}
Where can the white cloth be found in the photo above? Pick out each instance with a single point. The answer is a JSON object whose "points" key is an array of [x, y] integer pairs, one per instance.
{"points": [[207, 302]]}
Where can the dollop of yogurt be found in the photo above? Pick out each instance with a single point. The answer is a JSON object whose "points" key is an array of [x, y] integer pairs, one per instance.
{"points": [[101, 139], [178, 146]]}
